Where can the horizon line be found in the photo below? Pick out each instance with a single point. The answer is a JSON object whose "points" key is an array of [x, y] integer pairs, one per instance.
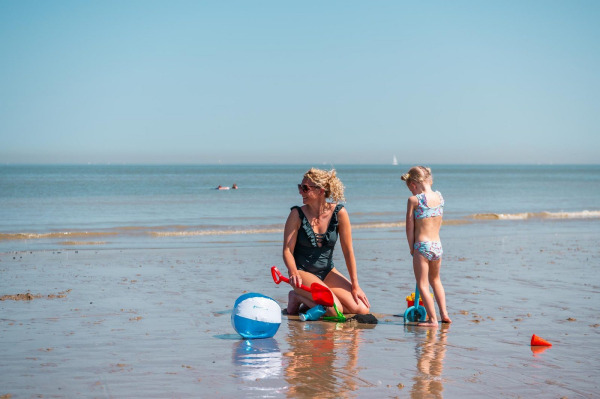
{"points": [[290, 164]]}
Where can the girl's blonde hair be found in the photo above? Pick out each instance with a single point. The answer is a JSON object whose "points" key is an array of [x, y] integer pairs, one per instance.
{"points": [[328, 181], [418, 174]]}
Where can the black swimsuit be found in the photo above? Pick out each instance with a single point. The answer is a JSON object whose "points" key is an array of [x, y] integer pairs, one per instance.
{"points": [[311, 257]]}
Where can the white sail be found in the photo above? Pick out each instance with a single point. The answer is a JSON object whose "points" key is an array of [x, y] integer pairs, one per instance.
{"points": [[394, 161]]}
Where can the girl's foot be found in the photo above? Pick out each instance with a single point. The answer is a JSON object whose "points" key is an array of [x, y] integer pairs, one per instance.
{"points": [[293, 303], [446, 319], [429, 323]]}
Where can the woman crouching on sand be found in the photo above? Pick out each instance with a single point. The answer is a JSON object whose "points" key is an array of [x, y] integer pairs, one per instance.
{"points": [[424, 213], [309, 237]]}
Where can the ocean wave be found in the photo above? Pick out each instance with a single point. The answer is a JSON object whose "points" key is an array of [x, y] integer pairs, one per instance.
{"points": [[83, 237], [537, 215], [65, 234], [214, 232], [378, 225], [395, 225]]}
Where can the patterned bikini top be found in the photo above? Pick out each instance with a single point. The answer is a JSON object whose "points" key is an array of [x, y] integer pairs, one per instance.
{"points": [[423, 211]]}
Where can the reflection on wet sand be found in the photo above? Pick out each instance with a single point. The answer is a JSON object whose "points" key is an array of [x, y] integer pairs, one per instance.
{"points": [[323, 359], [259, 364], [428, 381]]}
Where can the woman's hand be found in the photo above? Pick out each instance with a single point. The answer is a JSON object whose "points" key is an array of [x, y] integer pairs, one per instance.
{"points": [[358, 294], [295, 280]]}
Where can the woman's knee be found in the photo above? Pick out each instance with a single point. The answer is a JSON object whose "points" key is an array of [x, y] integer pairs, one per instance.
{"points": [[355, 308], [363, 310]]}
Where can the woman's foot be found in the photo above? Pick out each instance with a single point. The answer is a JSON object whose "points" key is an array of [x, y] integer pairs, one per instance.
{"points": [[429, 323], [293, 303]]}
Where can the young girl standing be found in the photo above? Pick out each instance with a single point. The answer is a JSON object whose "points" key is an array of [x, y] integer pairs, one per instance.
{"points": [[423, 222]]}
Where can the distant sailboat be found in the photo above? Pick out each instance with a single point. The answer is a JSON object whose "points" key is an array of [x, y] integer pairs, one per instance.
{"points": [[394, 161]]}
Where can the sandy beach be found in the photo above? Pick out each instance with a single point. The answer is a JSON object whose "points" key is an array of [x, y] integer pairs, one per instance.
{"points": [[155, 323]]}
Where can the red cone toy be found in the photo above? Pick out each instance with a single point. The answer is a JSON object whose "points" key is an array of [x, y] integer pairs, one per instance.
{"points": [[537, 341]]}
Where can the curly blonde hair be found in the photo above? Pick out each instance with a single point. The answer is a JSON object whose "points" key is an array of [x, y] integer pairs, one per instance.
{"points": [[418, 174], [328, 181]]}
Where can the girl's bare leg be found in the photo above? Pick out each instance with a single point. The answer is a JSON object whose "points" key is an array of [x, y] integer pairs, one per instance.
{"points": [[421, 269], [438, 289]]}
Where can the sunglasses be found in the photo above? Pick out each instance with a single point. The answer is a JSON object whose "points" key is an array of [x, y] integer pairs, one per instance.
{"points": [[305, 187]]}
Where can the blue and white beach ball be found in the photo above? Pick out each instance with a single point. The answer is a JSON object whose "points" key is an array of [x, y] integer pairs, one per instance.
{"points": [[256, 316]]}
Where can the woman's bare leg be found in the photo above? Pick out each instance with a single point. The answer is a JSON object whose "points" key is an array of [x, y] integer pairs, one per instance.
{"points": [[306, 297], [294, 302], [342, 290]]}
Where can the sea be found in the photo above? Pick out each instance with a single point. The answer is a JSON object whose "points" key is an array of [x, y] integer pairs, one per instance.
{"points": [[51, 207]]}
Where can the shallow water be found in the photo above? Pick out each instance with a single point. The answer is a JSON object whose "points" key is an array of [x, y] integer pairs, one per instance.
{"points": [[155, 323]]}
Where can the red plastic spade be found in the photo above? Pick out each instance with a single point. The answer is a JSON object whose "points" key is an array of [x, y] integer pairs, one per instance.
{"points": [[320, 294]]}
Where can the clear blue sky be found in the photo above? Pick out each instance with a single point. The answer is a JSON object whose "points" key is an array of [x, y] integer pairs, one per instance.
{"points": [[299, 82]]}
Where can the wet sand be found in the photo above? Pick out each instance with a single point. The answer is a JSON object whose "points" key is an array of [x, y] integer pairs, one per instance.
{"points": [[156, 323]]}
